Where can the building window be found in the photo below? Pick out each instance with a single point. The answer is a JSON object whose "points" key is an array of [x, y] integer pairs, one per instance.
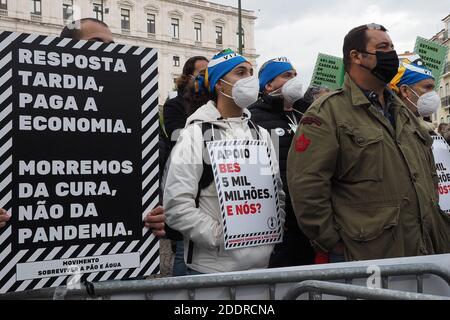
{"points": [[219, 35], [447, 92], [36, 7], [3, 4], [125, 19], [448, 119], [176, 61], [151, 23], [68, 10], [442, 120], [98, 10], [198, 31], [175, 28]]}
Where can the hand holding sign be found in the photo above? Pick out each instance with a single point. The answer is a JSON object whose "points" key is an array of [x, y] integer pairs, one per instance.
{"points": [[4, 218], [155, 221]]}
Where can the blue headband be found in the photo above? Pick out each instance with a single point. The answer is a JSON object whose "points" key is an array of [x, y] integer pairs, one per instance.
{"points": [[222, 63], [411, 77], [272, 69], [411, 71]]}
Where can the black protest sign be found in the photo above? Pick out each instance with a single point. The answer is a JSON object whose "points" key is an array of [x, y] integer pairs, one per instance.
{"points": [[78, 160]]}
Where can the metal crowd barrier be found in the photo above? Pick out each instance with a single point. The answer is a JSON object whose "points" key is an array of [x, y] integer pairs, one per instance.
{"points": [[268, 279], [316, 289]]}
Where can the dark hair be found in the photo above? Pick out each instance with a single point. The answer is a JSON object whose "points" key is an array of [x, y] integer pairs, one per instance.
{"points": [[311, 93], [188, 70], [441, 128], [73, 31], [195, 97], [357, 39]]}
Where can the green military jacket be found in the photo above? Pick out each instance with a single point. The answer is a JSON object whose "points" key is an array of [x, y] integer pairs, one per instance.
{"points": [[356, 178]]}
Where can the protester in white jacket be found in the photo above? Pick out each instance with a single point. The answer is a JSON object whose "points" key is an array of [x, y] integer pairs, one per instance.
{"points": [[230, 79]]}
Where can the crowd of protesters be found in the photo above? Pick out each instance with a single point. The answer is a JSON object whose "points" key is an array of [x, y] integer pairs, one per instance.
{"points": [[356, 176]]}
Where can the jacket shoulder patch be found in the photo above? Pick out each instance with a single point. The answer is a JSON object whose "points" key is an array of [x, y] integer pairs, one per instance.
{"points": [[311, 120]]}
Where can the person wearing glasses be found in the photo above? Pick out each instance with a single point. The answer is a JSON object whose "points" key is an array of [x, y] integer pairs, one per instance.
{"points": [[361, 173]]}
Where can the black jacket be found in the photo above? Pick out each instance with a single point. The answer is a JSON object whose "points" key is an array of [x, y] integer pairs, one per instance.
{"points": [[174, 118], [174, 115], [268, 112]]}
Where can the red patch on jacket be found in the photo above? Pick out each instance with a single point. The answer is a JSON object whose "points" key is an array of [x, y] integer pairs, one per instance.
{"points": [[302, 144], [309, 121]]}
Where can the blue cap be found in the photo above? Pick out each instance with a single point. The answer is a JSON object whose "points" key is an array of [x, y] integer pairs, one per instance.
{"points": [[272, 69], [221, 64]]}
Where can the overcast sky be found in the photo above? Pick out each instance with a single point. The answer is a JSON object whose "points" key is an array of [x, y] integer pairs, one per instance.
{"points": [[301, 29]]}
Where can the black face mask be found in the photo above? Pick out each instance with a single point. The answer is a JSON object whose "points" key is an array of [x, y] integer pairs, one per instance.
{"points": [[387, 65]]}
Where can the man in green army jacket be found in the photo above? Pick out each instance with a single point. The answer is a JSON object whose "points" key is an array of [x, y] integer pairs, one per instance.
{"points": [[360, 169]]}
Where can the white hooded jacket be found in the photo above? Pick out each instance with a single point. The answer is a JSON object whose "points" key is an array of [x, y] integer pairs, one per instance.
{"points": [[202, 226]]}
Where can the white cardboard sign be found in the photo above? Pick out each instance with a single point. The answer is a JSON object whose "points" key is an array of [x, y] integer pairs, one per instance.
{"points": [[441, 151], [248, 194]]}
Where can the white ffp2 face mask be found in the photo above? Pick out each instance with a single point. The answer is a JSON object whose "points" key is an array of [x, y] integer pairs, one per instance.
{"points": [[292, 90], [428, 103], [276, 93], [245, 92]]}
